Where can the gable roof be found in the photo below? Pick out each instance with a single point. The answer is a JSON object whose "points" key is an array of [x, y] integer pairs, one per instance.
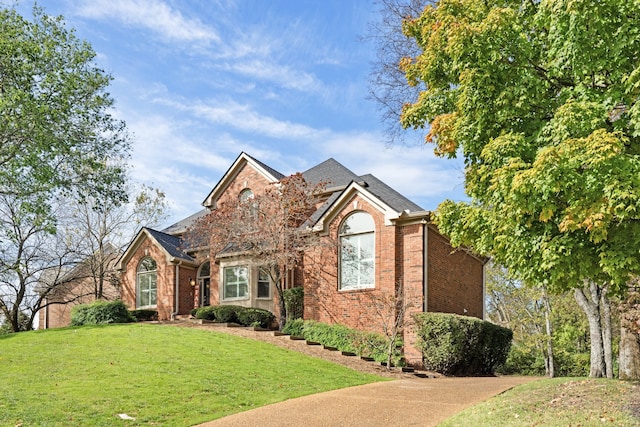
{"points": [[331, 171], [243, 159], [390, 196], [181, 226], [169, 244]]}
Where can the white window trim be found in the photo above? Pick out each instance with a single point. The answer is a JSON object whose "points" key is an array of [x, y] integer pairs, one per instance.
{"points": [[222, 281], [140, 274], [270, 297], [342, 288]]}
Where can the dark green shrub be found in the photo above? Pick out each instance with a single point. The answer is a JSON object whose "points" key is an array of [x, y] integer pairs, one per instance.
{"points": [[100, 312], [460, 345], [227, 313], [337, 336], [294, 302], [255, 317], [144, 315], [206, 313], [343, 338], [294, 327], [193, 312]]}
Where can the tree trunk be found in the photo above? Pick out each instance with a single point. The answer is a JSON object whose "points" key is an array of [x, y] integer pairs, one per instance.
{"points": [[606, 332], [549, 360], [629, 357], [589, 301]]}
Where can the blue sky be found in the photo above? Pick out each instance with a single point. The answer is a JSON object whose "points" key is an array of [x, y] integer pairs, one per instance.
{"points": [[197, 82]]}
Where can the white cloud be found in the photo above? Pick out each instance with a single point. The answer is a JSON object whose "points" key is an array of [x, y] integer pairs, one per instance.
{"points": [[244, 118], [154, 15], [283, 75]]}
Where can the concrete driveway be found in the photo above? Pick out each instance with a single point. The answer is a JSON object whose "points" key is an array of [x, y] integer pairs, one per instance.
{"points": [[406, 402]]}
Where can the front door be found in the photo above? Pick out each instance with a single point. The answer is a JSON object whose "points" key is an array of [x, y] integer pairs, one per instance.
{"points": [[205, 291]]}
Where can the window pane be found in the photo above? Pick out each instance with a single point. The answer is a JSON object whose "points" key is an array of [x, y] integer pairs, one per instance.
{"points": [[205, 270], [359, 222], [264, 290], [357, 261], [236, 282]]}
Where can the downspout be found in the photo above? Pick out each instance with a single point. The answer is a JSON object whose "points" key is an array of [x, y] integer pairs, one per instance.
{"points": [[484, 291], [177, 291], [425, 264]]}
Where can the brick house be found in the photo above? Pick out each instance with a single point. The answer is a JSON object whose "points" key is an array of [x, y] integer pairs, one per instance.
{"points": [[391, 242], [77, 286]]}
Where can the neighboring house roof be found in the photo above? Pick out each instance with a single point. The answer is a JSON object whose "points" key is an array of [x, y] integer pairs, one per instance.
{"points": [[181, 226]]}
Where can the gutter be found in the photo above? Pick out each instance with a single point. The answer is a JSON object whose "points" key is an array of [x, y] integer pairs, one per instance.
{"points": [[425, 265]]}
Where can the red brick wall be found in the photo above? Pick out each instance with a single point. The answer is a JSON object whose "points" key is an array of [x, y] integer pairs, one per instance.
{"points": [[248, 177], [323, 300], [454, 279], [165, 279]]}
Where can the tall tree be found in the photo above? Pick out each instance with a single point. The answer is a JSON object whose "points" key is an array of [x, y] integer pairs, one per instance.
{"points": [[541, 99], [31, 253], [58, 139], [388, 86], [100, 234], [267, 229], [56, 130]]}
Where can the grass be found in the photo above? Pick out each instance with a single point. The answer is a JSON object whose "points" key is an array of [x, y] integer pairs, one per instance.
{"points": [[158, 375], [557, 402]]}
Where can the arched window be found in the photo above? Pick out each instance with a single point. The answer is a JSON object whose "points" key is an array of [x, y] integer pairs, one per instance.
{"points": [[245, 195], [357, 252], [147, 283], [204, 281]]}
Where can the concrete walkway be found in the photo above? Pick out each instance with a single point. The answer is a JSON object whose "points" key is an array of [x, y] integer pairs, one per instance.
{"points": [[406, 402]]}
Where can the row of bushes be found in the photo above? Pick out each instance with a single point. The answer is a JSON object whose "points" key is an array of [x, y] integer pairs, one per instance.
{"points": [[244, 316], [369, 344], [104, 312], [460, 345]]}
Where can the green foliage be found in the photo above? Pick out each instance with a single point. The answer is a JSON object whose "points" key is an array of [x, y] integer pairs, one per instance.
{"points": [[226, 313], [294, 327], [460, 345], [100, 312], [368, 344], [56, 131], [245, 316], [205, 313], [294, 302], [549, 125], [144, 315], [255, 317]]}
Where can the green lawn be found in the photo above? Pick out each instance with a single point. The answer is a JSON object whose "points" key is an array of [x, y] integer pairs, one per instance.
{"points": [[557, 402], [157, 374]]}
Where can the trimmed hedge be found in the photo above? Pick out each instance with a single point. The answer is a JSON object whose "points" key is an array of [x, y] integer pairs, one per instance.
{"points": [[255, 317], [100, 312], [245, 316], [144, 315], [206, 313], [368, 344], [459, 345]]}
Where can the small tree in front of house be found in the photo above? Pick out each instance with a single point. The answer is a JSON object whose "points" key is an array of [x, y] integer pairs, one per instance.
{"points": [[267, 228]]}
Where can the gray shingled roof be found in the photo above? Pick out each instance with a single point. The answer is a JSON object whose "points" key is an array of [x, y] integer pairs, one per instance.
{"points": [[181, 226], [171, 244], [268, 168], [332, 171], [388, 195]]}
